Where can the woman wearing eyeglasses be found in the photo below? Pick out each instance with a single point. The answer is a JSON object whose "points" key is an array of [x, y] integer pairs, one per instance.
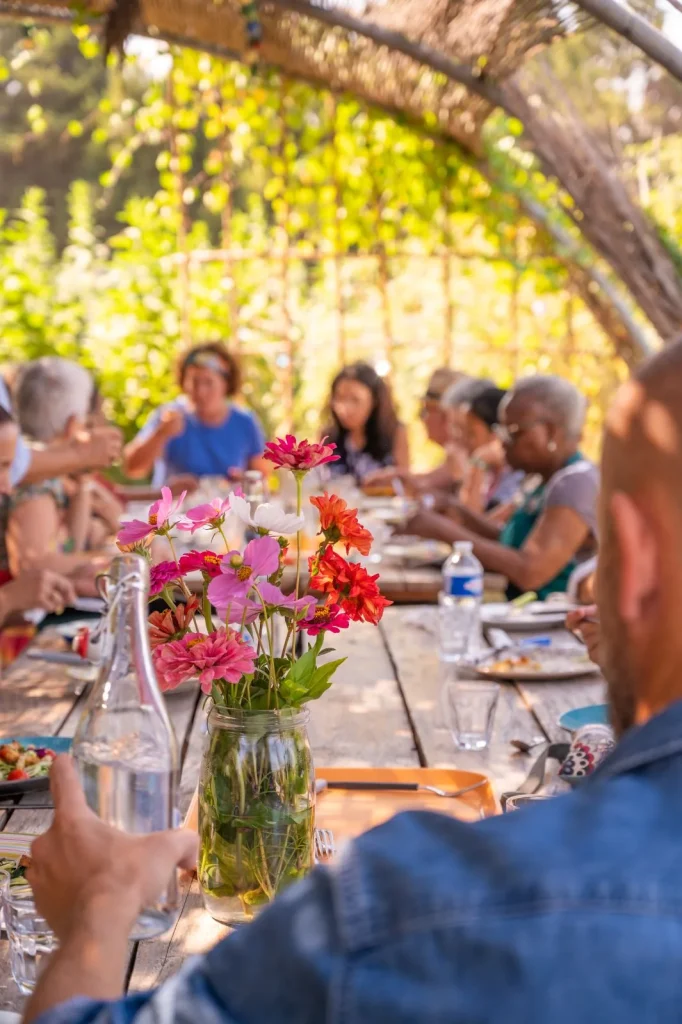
{"points": [[203, 433], [554, 527]]}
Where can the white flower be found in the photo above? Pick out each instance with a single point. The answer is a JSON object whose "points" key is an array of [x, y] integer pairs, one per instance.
{"points": [[266, 517]]}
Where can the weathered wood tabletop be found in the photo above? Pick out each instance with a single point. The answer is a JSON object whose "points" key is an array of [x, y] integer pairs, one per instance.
{"points": [[383, 710]]}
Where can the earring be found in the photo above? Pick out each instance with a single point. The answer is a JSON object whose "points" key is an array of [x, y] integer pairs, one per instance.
{"points": [[551, 446]]}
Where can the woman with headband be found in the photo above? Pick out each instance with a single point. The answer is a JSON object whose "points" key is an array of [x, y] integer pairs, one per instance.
{"points": [[203, 433]]}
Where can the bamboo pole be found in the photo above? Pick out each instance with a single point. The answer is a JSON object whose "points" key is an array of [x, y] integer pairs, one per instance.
{"points": [[338, 257], [184, 268], [288, 370]]}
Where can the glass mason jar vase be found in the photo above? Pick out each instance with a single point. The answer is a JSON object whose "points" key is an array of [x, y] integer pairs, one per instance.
{"points": [[256, 809]]}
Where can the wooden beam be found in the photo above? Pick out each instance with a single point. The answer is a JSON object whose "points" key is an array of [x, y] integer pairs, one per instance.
{"points": [[637, 30]]}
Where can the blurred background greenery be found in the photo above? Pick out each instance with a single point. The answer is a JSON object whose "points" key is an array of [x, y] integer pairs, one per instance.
{"points": [[181, 198]]}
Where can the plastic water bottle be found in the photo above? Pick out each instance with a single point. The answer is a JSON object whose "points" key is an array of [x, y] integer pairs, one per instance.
{"points": [[459, 603], [125, 748]]}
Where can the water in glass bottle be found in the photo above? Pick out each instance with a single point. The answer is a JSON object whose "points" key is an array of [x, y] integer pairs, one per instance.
{"points": [[125, 748], [459, 603]]}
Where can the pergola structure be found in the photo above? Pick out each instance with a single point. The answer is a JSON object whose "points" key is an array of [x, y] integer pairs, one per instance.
{"points": [[446, 64]]}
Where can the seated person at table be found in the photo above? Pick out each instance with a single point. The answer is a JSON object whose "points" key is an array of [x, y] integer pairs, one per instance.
{"points": [[36, 588], [490, 481], [47, 527], [364, 424], [564, 911], [203, 433], [96, 448], [541, 423], [449, 474]]}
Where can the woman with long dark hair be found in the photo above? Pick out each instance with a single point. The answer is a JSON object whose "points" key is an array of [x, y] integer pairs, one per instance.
{"points": [[364, 424]]}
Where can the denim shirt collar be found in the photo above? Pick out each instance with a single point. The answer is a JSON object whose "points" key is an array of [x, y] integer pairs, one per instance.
{"points": [[658, 738]]}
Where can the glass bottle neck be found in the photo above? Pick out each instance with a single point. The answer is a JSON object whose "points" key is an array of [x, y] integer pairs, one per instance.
{"points": [[127, 669]]}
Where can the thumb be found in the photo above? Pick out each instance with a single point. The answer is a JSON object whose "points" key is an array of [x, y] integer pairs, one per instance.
{"points": [[67, 792], [174, 848]]}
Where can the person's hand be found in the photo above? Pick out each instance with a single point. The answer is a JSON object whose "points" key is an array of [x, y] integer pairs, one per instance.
{"points": [[585, 623], [101, 447], [37, 588], [172, 423], [183, 482], [490, 454], [82, 866]]}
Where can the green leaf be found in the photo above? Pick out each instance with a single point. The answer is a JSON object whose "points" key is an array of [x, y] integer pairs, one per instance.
{"points": [[322, 679]]}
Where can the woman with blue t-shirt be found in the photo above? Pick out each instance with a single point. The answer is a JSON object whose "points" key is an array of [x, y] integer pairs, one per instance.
{"points": [[202, 433]]}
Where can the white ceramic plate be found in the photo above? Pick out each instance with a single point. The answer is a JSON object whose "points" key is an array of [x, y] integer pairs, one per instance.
{"points": [[69, 630], [545, 665], [532, 617]]}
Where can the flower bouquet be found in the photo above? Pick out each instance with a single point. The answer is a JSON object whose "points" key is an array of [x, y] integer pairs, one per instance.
{"points": [[261, 660]]}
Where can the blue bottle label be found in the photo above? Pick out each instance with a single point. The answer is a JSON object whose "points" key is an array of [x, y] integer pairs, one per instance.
{"points": [[463, 586]]}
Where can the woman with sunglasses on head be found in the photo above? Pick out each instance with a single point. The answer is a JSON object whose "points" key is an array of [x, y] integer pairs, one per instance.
{"points": [[554, 527], [203, 433], [364, 425]]}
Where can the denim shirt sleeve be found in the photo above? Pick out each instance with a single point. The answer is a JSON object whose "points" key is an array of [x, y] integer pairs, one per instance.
{"points": [[279, 969]]}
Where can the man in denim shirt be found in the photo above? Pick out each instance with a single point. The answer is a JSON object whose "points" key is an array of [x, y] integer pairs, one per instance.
{"points": [[570, 910]]}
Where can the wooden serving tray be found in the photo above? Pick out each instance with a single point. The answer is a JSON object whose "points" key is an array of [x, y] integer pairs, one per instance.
{"points": [[350, 812]]}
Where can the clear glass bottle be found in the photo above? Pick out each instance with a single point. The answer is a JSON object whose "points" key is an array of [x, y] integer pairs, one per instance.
{"points": [[125, 748]]}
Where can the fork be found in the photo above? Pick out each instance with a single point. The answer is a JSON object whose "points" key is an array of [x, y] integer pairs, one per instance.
{"points": [[324, 843]]}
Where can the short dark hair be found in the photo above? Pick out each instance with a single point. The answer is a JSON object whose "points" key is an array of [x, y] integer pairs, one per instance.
{"points": [[486, 405], [217, 351]]}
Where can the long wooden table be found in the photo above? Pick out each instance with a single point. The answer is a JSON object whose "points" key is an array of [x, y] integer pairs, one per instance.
{"points": [[382, 710]]}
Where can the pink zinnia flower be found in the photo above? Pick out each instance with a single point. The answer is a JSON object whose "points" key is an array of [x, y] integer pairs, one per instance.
{"points": [[211, 514], [160, 575], [135, 530], [220, 655], [238, 574], [204, 561], [328, 618], [299, 455]]}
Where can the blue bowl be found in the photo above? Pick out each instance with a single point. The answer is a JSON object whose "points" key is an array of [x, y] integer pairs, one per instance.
{"points": [[595, 714]]}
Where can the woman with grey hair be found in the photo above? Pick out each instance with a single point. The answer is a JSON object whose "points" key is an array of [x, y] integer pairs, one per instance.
{"points": [[48, 523], [555, 527]]}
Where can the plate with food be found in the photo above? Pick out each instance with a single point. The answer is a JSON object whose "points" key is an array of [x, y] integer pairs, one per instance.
{"points": [[416, 550], [15, 850], [533, 616], [537, 664], [25, 762]]}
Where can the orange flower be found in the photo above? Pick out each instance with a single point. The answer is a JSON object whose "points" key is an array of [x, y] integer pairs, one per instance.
{"points": [[348, 585], [340, 524], [169, 625]]}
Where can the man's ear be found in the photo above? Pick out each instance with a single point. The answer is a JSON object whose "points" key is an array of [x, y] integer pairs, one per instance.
{"points": [[638, 575]]}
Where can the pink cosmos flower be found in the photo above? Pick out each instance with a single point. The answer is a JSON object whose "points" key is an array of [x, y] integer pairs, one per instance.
{"points": [[220, 655], [211, 514], [160, 575], [238, 574], [299, 455], [328, 617], [204, 561], [274, 598], [135, 530]]}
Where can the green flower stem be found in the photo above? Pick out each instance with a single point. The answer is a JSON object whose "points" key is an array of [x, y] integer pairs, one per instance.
{"points": [[298, 477]]}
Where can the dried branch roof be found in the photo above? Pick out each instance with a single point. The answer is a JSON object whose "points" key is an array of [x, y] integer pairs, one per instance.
{"points": [[492, 37]]}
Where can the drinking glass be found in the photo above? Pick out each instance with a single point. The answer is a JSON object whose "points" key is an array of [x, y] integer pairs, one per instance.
{"points": [[470, 710], [30, 938]]}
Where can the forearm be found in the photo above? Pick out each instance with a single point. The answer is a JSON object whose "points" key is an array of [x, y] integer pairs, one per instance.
{"points": [[479, 524], [78, 520], [140, 456], [59, 459], [91, 960]]}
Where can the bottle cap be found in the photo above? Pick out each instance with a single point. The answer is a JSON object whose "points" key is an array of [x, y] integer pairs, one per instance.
{"points": [[464, 547]]}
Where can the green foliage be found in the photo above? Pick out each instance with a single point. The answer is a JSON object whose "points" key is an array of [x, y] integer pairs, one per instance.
{"points": [[185, 154]]}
